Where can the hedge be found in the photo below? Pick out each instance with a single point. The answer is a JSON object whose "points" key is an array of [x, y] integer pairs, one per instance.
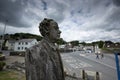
{"points": [[16, 53], [2, 64]]}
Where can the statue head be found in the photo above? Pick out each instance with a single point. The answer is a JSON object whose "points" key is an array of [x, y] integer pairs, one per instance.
{"points": [[49, 28]]}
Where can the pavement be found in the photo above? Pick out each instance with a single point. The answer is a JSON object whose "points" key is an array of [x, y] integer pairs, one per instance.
{"points": [[12, 59], [75, 61], [108, 59]]}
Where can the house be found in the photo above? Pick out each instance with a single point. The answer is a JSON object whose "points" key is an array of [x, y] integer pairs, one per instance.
{"points": [[68, 46], [23, 44], [81, 47], [4, 44], [111, 45], [88, 49], [11, 44], [61, 46], [96, 49]]}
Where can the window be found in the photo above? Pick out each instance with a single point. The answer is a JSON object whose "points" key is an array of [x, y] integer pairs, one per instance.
{"points": [[11, 44], [19, 43], [26, 43], [22, 48], [22, 43], [18, 48], [25, 48]]}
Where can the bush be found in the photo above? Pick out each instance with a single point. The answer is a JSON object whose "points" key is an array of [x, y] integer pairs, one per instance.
{"points": [[14, 53], [2, 57], [17, 53], [2, 64], [1, 53]]}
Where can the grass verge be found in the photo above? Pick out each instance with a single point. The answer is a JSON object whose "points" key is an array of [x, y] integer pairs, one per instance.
{"points": [[11, 75]]}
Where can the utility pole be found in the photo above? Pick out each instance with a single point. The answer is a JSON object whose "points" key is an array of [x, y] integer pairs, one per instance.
{"points": [[3, 34]]}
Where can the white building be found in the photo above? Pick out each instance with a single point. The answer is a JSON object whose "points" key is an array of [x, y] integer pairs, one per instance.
{"points": [[11, 44], [97, 50], [88, 49], [61, 46], [23, 44]]}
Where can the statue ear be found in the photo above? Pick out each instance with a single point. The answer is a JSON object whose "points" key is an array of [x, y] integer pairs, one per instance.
{"points": [[47, 30]]}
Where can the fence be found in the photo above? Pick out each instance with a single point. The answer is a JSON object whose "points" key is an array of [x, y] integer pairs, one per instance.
{"points": [[86, 75]]}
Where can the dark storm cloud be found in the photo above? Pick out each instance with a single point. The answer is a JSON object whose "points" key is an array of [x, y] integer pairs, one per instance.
{"points": [[116, 2], [13, 11], [114, 16], [46, 8], [99, 18], [44, 5], [90, 19]]}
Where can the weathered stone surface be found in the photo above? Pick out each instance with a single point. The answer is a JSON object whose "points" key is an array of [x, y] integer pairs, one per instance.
{"points": [[43, 61], [16, 66]]}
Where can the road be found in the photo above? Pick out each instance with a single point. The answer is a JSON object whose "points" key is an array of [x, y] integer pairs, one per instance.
{"points": [[74, 62]]}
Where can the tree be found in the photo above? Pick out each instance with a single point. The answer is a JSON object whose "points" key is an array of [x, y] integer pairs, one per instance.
{"points": [[100, 44], [2, 64], [61, 41], [83, 43], [75, 43], [23, 36], [108, 42]]}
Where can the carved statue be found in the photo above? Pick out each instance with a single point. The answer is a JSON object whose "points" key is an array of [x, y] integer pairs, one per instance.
{"points": [[43, 61]]}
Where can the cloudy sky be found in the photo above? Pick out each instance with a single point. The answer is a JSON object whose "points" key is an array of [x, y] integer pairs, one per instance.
{"points": [[83, 20]]}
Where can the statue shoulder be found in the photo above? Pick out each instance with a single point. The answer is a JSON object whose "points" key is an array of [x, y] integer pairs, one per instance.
{"points": [[41, 46], [36, 52]]}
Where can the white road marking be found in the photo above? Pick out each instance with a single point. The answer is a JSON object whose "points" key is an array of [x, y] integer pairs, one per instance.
{"points": [[75, 63]]}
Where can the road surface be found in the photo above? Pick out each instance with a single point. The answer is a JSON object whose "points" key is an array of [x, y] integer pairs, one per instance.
{"points": [[74, 62]]}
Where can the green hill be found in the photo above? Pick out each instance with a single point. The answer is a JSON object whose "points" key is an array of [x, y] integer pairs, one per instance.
{"points": [[27, 36], [22, 36]]}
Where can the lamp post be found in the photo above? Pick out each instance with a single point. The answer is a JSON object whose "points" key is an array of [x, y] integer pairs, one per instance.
{"points": [[3, 35]]}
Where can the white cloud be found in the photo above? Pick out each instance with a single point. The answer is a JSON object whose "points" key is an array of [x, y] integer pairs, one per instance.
{"points": [[84, 20]]}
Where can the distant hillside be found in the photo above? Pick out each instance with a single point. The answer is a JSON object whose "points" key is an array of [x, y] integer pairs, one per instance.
{"points": [[22, 36], [28, 36]]}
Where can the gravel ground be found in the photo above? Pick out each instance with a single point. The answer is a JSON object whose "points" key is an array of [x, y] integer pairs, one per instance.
{"points": [[12, 59]]}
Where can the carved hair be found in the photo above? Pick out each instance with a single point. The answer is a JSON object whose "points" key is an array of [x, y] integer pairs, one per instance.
{"points": [[44, 26]]}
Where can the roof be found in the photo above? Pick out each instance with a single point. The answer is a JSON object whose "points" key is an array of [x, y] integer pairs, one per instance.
{"points": [[12, 41], [26, 40], [1, 40]]}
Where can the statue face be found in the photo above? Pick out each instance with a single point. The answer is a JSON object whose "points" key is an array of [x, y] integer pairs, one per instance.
{"points": [[54, 31]]}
